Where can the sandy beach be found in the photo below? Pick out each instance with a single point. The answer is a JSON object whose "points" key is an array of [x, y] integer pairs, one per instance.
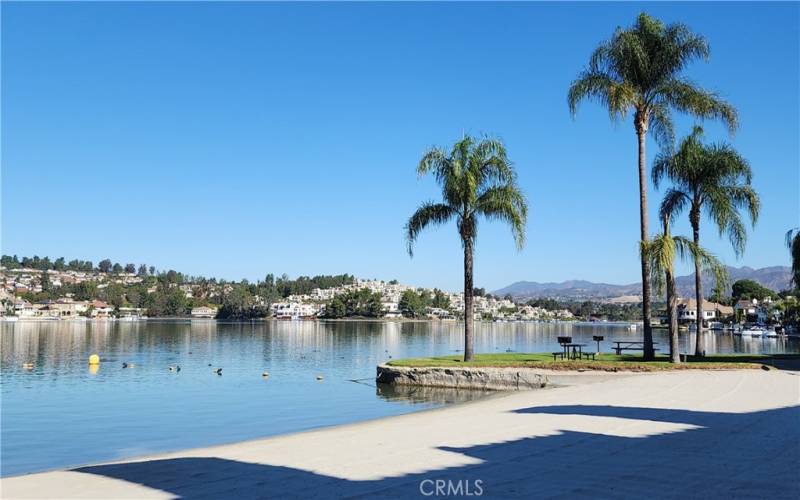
{"points": [[666, 435]]}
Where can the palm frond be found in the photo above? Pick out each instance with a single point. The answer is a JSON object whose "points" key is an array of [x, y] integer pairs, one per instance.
{"points": [[688, 98], [427, 214], [673, 204], [508, 204], [709, 263], [617, 97], [662, 127]]}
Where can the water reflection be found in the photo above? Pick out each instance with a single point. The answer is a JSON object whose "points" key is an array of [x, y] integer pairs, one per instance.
{"points": [[439, 395]]}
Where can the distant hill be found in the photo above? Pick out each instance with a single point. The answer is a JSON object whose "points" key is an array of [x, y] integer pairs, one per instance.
{"points": [[775, 277]]}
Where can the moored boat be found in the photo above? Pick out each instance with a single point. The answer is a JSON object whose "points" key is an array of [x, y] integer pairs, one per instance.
{"points": [[752, 332]]}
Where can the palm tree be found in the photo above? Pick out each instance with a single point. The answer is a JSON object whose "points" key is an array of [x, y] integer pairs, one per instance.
{"points": [[639, 71], [793, 243], [711, 177], [476, 179], [661, 252]]}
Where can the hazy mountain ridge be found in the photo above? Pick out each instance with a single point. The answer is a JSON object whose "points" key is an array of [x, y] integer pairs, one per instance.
{"points": [[774, 277]]}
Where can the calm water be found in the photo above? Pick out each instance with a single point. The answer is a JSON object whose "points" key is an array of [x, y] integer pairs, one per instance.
{"points": [[62, 414]]}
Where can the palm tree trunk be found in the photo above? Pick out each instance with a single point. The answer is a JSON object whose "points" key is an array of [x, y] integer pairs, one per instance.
{"points": [[672, 316], [641, 132], [468, 299], [699, 349]]}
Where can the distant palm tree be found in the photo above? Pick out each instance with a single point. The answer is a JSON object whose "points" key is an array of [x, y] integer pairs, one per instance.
{"points": [[639, 71], [793, 242], [661, 252], [477, 179], [711, 177]]}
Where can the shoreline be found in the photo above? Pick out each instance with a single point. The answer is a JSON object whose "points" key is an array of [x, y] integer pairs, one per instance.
{"points": [[82, 319], [499, 439]]}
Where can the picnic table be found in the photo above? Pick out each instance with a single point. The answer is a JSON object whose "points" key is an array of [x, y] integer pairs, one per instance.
{"points": [[576, 351], [628, 345], [575, 354]]}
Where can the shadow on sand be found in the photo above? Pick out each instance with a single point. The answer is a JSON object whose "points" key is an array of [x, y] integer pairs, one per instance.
{"points": [[749, 455]]}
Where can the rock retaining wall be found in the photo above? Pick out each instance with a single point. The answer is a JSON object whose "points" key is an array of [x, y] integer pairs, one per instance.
{"points": [[497, 379]]}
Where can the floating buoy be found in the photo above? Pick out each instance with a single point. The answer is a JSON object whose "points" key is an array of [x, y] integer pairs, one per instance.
{"points": [[27, 366], [319, 377], [218, 371], [94, 359], [265, 374]]}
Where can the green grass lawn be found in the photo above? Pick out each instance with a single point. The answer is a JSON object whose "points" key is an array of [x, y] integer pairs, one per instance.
{"points": [[605, 362]]}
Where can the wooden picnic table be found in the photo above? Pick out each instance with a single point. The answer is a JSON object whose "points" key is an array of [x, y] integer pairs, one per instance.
{"points": [[629, 345]]}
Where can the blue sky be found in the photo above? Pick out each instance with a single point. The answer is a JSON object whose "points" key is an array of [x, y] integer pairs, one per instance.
{"points": [[233, 140]]}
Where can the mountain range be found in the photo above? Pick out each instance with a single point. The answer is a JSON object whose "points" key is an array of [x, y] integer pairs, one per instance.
{"points": [[774, 277]]}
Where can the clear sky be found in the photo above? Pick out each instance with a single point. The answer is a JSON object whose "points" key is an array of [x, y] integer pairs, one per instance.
{"points": [[232, 140]]}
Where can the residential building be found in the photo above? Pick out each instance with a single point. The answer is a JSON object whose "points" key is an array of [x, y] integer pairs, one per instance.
{"points": [[204, 312], [687, 311]]}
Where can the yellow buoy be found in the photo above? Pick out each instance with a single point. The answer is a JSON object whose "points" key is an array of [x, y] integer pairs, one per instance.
{"points": [[94, 359]]}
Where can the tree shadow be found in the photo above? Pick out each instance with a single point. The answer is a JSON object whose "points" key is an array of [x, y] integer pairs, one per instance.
{"points": [[747, 455]]}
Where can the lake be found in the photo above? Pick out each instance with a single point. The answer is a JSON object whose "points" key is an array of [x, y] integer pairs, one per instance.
{"points": [[61, 413]]}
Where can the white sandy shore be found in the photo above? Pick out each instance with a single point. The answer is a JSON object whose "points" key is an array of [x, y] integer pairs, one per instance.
{"points": [[673, 435]]}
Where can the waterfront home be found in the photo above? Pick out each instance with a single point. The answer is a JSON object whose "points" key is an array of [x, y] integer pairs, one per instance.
{"points": [[69, 307], [101, 309], [687, 311], [294, 310], [440, 314], [204, 312], [391, 310], [751, 311], [24, 309], [131, 312]]}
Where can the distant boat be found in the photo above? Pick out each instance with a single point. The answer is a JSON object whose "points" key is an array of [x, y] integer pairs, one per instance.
{"points": [[752, 332], [716, 325], [771, 333], [11, 318]]}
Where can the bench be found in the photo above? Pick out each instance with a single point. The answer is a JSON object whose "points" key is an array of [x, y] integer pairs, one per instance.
{"points": [[588, 355], [625, 345], [556, 354]]}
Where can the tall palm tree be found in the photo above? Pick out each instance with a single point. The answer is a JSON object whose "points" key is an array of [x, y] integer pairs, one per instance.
{"points": [[711, 177], [793, 243], [661, 252], [639, 71], [476, 179]]}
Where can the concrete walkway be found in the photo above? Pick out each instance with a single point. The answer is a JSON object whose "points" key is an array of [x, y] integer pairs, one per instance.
{"points": [[674, 435]]}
